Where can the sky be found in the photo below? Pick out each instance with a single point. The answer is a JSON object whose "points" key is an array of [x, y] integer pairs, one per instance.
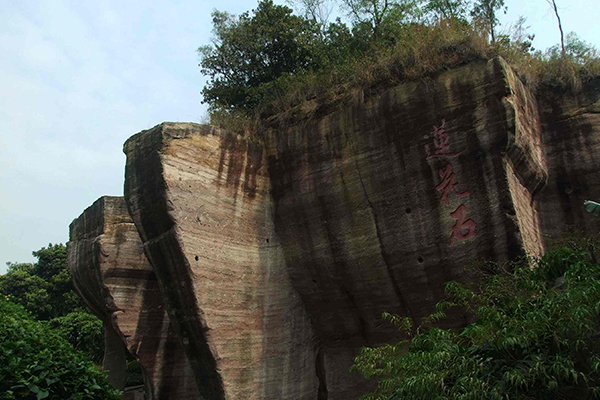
{"points": [[78, 78]]}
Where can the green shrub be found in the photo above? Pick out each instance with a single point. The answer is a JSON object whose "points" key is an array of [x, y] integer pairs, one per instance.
{"points": [[535, 336], [85, 332], [36, 363]]}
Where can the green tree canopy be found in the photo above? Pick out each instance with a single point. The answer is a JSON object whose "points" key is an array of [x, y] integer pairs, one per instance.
{"points": [[37, 363], [27, 289], [382, 17], [83, 331], [46, 291], [485, 12], [449, 9], [44, 288], [52, 260], [253, 50]]}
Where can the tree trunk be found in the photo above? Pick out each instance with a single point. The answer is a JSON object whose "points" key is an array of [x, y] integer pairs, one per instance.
{"points": [[562, 36]]}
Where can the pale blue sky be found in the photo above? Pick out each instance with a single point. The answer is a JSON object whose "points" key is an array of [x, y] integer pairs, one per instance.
{"points": [[78, 78]]}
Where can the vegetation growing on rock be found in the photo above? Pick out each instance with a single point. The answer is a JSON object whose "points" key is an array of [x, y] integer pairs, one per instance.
{"points": [[267, 61]]}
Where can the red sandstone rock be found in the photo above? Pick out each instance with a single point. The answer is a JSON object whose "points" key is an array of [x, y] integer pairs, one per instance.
{"points": [[113, 276], [200, 199], [278, 257], [571, 139], [381, 201]]}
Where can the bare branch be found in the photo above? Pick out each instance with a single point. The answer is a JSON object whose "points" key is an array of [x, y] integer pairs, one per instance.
{"points": [[562, 36]]}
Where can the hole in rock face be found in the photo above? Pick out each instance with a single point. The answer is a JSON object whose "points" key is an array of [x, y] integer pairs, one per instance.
{"points": [[196, 258], [408, 210], [267, 240], [314, 281], [420, 259]]}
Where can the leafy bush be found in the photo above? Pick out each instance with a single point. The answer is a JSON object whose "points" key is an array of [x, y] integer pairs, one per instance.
{"points": [[45, 290], [36, 363], [83, 331], [535, 337]]}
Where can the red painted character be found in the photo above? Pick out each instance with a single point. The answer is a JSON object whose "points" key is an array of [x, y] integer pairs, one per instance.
{"points": [[448, 184], [461, 225], [440, 141]]}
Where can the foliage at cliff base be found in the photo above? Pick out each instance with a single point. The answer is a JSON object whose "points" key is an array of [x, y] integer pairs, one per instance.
{"points": [[535, 336], [36, 363]]}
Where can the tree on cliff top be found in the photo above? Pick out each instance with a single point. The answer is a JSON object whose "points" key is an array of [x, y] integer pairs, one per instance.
{"points": [[258, 57], [269, 60], [254, 50], [485, 12], [535, 337], [380, 16], [449, 9], [253, 54]]}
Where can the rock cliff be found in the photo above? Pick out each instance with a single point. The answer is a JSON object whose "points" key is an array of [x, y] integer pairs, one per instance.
{"points": [[200, 198], [382, 201], [276, 257], [113, 276], [571, 140]]}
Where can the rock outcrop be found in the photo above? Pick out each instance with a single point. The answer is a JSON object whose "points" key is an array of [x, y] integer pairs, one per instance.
{"points": [[113, 276], [276, 257], [200, 198], [571, 139], [381, 202]]}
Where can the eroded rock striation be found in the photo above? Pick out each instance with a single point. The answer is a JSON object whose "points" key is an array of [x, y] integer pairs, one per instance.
{"points": [[113, 276], [276, 257], [380, 202], [200, 198], [571, 140]]}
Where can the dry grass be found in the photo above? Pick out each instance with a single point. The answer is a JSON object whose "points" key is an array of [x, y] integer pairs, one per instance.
{"points": [[422, 51]]}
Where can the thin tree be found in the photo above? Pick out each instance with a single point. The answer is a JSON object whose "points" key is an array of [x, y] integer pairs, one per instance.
{"points": [[368, 11], [315, 10], [486, 11], [562, 36]]}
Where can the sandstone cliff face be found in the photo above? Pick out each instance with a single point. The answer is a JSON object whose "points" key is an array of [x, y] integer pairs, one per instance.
{"points": [[276, 258], [113, 276], [571, 139], [381, 202], [200, 198]]}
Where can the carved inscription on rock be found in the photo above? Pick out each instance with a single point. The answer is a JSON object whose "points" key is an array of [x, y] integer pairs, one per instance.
{"points": [[463, 228]]}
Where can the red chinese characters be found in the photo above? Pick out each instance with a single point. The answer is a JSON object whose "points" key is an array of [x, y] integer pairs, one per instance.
{"points": [[441, 140], [464, 228], [448, 184]]}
